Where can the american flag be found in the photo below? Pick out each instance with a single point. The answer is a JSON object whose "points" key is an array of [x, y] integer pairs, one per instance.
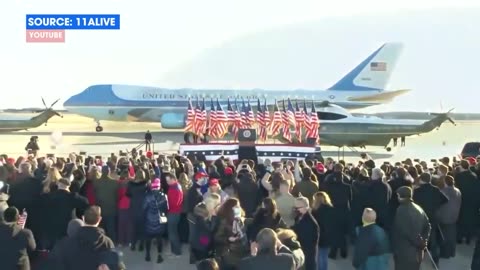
{"points": [[212, 123], [274, 152], [277, 121], [250, 115], [262, 127], [267, 115], [378, 66], [312, 132], [222, 121], [300, 120], [243, 114], [201, 119], [286, 123], [238, 120], [190, 121], [231, 115], [306, 116]]}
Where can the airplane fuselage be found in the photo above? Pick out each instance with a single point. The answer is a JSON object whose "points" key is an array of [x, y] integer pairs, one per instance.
{"points": [[169, 106], [361, 132]]}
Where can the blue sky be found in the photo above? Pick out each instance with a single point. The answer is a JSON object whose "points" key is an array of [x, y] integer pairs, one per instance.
{"points": [[249, 44]]}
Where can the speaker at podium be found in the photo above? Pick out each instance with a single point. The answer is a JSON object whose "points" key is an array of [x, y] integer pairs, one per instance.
{"points": [[247, 135]]}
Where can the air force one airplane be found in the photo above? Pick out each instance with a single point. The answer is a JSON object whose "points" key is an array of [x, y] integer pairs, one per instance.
{"points": [[362, 87]]}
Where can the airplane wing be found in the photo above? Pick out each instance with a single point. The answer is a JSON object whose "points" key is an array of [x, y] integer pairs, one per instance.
{"points": [[383, 96]]}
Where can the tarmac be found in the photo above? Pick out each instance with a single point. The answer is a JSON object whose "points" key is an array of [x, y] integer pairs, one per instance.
{"points": [[74, 134]]}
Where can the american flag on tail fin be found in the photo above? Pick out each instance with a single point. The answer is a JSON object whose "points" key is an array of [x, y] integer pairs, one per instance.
{"points": [[190, 121], [261, 121], [286, 123], [277, 121]]}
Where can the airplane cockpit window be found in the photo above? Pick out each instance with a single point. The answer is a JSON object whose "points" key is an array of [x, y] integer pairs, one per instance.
{"points": [[330, 116]]}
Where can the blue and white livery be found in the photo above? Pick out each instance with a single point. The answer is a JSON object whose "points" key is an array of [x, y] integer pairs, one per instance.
{"points": [[362, 87]]}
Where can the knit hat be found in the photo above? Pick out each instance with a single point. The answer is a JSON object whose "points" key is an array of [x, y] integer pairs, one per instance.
{"points": [[405, 192], [155, 184], [149, 154], [73, 226]]}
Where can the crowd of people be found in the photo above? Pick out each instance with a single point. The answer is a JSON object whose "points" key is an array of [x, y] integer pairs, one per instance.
{"points": [[80, 211]]}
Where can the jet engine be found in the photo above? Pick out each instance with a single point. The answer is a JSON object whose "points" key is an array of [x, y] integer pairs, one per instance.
{"points": [[173, 120]]}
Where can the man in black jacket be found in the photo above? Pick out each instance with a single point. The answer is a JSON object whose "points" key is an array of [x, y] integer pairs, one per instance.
{"points": [[430, 198], [469, 186], [148, 140], [59, 206], [341, 194], [265, 254], [308, 232], [90, 247], [15, 242]]}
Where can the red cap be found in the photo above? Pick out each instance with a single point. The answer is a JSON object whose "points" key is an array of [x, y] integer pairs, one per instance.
{"points": [[213, 182], [199, 175], [149, 154], [228, 171], [320, 167], [472, 161], [11, 161]]}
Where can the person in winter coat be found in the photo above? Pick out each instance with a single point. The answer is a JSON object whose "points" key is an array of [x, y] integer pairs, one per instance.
{"points": [[399, 179], [288, 238], [230, 239], [136, 192], [202, 234], [214, 187], [341, 194], [267, 216], [155, 208], [360, 196], [307, 231], [106, 192], [447, 217], [323, 213], [268, 253], [15, 242], [175, 200], [469, 186], [308, 185], [410, 232], [379, 196], [430, 199], [125, 224], [59, 206], [56, 256], [89, 244], [247, 190], [3, 199], [372, 245]]}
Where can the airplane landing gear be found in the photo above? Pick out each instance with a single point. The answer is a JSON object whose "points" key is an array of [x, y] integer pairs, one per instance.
{"points": [[388, 148], [99, 128]]}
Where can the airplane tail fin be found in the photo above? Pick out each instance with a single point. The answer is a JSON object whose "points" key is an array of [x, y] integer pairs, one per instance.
{"points": [[373, 74]]}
